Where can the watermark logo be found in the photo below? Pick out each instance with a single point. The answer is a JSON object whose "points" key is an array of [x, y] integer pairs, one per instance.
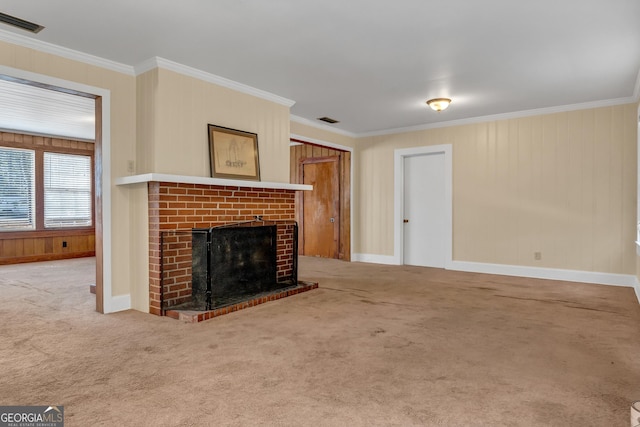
{"points": [[31, 416]]}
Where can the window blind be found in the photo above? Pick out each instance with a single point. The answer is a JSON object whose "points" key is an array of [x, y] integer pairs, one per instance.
{"points": [[67, 190], [17, 189]]}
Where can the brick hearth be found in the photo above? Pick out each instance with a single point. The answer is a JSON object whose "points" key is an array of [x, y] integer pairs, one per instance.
{"points": [[199, 316]]}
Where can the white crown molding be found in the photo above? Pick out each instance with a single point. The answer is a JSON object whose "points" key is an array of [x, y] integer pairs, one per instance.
{"points": [[166, 64], [321, 126], [145, 66], [636, 89], [504, 116], [157, 62], [45, 47]]}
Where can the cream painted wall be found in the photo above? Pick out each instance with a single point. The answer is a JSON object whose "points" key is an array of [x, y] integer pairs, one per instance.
{"points": [[172, 116], [146, 112], [123, 136], [562, 184], [172, 129], [323, 135]]}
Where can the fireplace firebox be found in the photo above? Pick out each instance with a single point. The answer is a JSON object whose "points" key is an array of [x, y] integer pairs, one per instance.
{"points": [[235, 262]]}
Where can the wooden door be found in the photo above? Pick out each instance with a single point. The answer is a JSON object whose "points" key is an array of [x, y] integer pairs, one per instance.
{"points": [[321, 212]]}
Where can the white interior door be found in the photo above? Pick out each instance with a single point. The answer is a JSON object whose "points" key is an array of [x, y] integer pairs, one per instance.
{"points": [[424, 211]]}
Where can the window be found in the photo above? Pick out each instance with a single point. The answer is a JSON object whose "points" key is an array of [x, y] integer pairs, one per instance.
{"points": [[17, 189], [67, 190], [45, 190]]}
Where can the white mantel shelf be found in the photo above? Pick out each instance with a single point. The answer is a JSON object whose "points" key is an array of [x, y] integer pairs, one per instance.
{"points": [[185, 179]]}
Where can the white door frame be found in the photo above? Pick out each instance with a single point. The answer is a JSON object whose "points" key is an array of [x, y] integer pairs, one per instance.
{"points": [[398, 203], [107, 303]]}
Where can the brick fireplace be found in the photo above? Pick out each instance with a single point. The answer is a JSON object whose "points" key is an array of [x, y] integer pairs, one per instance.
{"points": [[175, 208], [179, 204]]}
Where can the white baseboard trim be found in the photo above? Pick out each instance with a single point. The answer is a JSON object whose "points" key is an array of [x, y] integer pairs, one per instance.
{"points": [[120, 303], [598, 278], [612, 279], [375, 259], [626, 280]]}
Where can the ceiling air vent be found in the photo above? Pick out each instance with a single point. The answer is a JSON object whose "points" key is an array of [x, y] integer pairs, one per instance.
{"points": [[328, 120], [20, 23]]}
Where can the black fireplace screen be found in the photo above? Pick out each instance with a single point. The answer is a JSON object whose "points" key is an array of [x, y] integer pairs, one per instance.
{"points": [[234, 263]]}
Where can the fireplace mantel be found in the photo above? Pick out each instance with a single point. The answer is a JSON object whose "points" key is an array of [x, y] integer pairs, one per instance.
{"points": [[185, 179]]}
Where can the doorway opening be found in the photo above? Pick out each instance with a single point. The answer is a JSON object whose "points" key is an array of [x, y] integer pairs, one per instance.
{"points": [[35, 108], [324, 214]]}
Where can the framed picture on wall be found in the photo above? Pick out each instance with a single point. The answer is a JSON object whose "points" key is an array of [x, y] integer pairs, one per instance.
{"points": [[233, 153]]}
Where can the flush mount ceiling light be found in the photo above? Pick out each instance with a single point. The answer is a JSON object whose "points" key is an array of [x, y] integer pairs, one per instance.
{"points": [[439, 104]]}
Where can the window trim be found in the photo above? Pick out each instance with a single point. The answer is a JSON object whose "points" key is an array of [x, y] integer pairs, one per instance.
{"points": [[40, 149], [86, 192]]}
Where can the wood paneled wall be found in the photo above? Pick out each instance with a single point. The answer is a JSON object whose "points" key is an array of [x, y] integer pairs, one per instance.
{"points": [[306, 151], [45, 245]]}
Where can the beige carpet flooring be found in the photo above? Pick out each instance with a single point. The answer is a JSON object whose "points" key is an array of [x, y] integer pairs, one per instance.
{"points": [[373, 346]]}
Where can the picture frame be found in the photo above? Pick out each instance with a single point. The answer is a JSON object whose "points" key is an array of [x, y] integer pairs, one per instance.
{"points": [[233, 154]]}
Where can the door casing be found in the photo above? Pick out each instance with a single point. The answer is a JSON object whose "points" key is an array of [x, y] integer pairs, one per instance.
{"points": [[303, 147], [104, 299]]}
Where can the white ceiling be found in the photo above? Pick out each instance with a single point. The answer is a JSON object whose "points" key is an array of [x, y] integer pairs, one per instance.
{"points": [[371, 64], [32, 109]]}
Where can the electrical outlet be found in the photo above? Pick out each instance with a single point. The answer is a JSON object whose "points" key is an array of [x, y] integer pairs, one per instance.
{"points": [[64, 243], [537, 256], [131, 166]]}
